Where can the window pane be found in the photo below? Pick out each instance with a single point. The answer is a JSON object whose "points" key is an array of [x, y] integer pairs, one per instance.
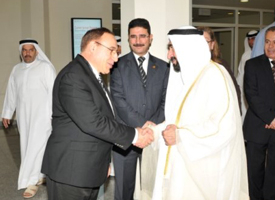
{"points": [[249, 17], [268, 18], [116, 29], [116, 11], [208, 15]]}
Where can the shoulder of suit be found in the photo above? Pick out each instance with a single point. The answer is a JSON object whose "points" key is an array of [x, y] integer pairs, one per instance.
{"points": [[258, 62], [125, 60], [126, 56], [78, 66], [157, 60]]}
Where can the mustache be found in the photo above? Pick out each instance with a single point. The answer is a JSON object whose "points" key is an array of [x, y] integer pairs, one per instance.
{"points": [[138, 45], [175, 63]]}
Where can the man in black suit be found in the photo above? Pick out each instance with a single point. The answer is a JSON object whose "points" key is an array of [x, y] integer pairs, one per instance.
{"points": [[77, 155], [259, 123], [138, 89]]}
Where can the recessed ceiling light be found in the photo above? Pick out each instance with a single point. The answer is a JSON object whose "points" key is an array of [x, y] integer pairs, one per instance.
{"points": [[243, 1]]}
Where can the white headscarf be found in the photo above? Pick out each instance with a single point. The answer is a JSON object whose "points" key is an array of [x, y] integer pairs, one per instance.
{"points": [[118, 40], [193, 55], [41, 55], [250, 34], [246, 55]]}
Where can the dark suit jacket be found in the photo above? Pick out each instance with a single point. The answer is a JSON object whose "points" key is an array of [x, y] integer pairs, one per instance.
{"points": [[259, 90], [134, 103], [78, 150]]}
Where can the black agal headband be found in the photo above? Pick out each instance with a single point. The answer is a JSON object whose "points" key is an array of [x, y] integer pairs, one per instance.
{"points": [[185, 32], [28, 41]]}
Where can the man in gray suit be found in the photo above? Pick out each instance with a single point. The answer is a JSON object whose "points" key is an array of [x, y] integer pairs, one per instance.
{"points": [[138, 88]]}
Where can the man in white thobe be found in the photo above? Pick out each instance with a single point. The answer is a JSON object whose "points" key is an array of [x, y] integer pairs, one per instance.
{"points": [[248, 45], [200, 146], [29, 92]]}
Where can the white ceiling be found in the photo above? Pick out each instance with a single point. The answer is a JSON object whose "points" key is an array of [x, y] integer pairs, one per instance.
{"points": [[254, 4]]}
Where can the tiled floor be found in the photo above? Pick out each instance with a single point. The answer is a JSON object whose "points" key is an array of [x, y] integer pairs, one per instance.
{"points": [[9, 167]]}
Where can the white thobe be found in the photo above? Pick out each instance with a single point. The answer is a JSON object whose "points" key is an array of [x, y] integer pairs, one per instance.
{"points": [[208, 161], [29, 92], [240, 77]]}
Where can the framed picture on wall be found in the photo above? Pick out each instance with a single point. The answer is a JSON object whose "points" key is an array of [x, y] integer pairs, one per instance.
{"points": [[79, 27]]}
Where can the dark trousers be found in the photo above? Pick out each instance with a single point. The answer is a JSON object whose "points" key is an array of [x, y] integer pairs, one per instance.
{"points": [[261, 170], [125, 163], [60, 191]]}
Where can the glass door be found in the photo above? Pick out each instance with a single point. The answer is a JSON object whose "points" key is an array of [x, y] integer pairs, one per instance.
{"points": [[225, 39]]}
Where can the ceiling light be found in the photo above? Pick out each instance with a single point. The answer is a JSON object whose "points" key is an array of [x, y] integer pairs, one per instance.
{"points": [[244, 1]]}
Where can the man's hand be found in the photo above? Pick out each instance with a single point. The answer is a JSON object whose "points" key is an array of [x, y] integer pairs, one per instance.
{"points": [[148, 124], [169, 134], [109, 171], [271, 125], [145, 137], [6, 122]]}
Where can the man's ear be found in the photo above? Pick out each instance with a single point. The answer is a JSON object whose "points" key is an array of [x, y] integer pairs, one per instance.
{"points": [[92, 46], [151, 38]]}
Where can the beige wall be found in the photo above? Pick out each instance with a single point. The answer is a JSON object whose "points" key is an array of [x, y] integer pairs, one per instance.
{"points": [[47, 21], [166, 15]]}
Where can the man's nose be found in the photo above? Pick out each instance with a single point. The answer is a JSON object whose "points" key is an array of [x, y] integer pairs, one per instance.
{"points": [[115, 57], [271, 44]]}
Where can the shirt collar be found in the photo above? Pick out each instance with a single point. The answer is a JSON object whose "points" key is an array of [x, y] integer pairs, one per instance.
{"points": [[96, 73], [146, 56]]}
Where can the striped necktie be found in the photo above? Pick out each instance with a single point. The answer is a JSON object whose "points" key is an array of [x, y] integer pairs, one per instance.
{"points": [[273, 69], [141, 70], [100, 80]]}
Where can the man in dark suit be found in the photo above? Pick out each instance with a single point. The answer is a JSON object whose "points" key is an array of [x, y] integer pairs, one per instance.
{"points": [[259, 123], [77, 155], [138, 89]]}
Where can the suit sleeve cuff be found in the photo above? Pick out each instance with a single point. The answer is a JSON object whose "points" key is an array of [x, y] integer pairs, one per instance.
{"points": [[136, 137]]}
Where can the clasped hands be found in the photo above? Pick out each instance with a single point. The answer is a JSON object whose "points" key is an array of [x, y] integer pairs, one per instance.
{"points": [[146, 135]]}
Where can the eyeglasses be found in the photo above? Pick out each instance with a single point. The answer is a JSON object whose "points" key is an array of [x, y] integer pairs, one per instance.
{"points": [[142, 36], [113, 51]]}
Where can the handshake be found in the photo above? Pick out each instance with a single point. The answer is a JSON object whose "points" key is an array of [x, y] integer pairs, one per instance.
{"points": [[145, 135]]}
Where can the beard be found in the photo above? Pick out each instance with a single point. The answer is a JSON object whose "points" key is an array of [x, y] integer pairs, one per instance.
{"points": [[175, 63]]}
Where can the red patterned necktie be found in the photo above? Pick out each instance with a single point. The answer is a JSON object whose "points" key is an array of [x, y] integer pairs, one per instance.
{"points": [[273, 69]]}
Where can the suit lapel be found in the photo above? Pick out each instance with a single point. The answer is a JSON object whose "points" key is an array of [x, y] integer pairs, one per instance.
{"points": [[133, 66], [152, 69], [267, 74]]}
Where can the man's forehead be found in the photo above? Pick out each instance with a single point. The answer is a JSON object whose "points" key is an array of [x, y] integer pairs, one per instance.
{"points": [[28, 46], [138, 29], [108, 40], [270, 35]]}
